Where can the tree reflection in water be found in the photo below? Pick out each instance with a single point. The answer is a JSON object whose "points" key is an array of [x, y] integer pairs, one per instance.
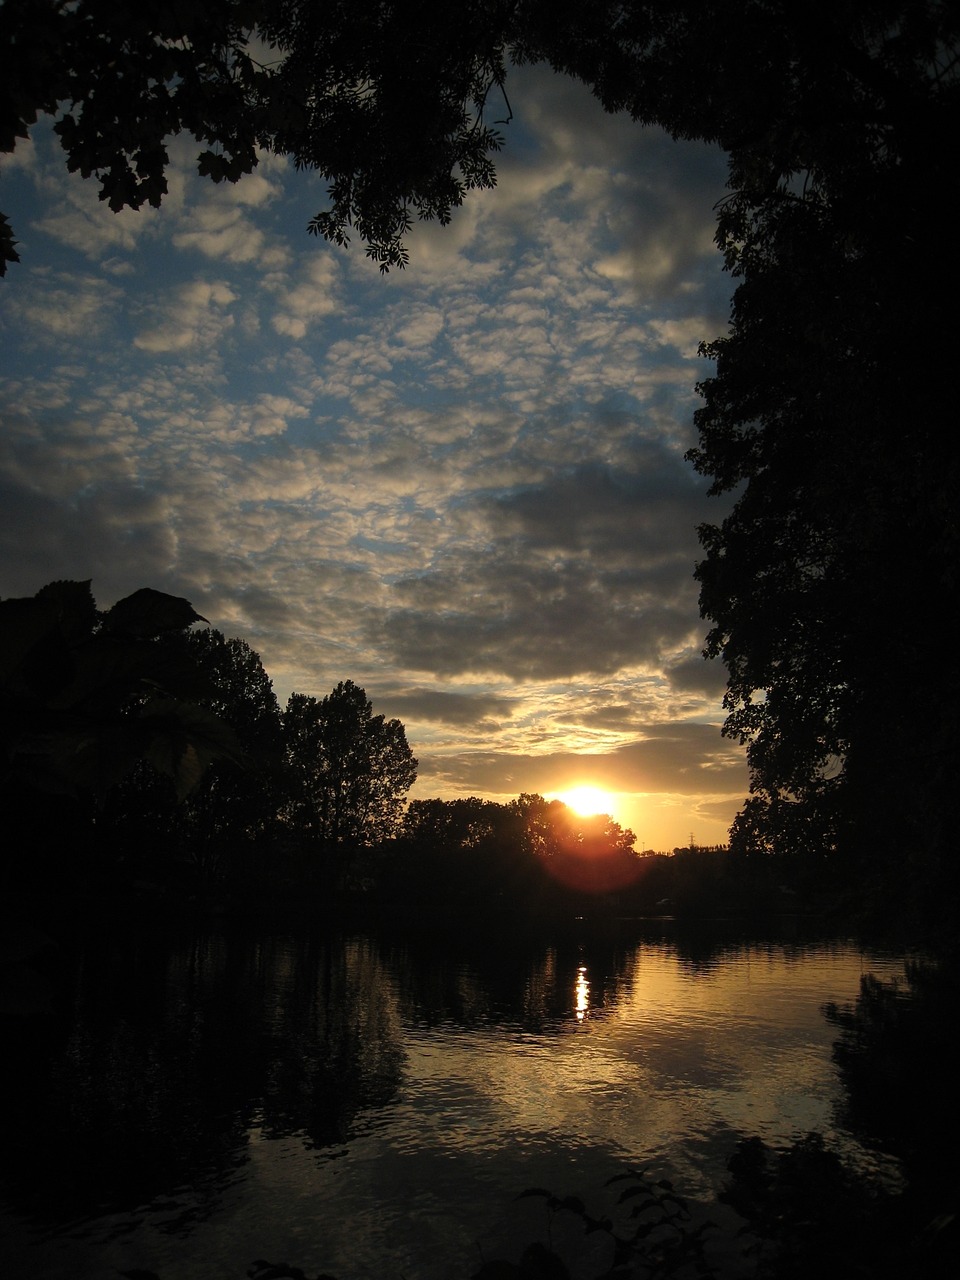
{"points": [[171, 1053], [503, 1056]]}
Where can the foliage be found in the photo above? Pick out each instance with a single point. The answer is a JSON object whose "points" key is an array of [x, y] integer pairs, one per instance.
{"points": [[348, 771], [234, 805], [827, 423], [390, 101], [236, 801], [896, 1034], [528, 855], [85, 696], [456, 849], [122, 80], [830, 575], [387, 102], [657, 1240]]}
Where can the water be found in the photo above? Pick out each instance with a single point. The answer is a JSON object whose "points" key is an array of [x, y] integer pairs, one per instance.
{"points": [[372, 1106]]}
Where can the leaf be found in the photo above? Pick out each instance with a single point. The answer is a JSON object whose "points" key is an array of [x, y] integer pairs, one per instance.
{"points": [[148, 613], [636, 1175], [630, 1193], [212, 165], [574, 1204], [184, 739]]}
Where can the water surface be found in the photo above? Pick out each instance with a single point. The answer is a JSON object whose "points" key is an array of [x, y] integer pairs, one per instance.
{"points": [[370, 1105]]}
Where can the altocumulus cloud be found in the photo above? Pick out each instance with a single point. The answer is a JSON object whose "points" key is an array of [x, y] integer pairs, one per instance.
{"points": [[462, 486]]}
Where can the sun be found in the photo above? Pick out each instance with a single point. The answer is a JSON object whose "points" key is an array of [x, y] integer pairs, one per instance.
{"points": [[587, 801]]}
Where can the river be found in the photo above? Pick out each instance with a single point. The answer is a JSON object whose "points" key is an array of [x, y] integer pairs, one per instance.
{"points": [[371, 1103]]}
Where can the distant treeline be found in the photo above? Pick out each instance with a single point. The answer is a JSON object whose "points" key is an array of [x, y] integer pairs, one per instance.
{"points": [[142, 754]]}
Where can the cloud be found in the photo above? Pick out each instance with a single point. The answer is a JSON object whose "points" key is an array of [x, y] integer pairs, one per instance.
{"points": [[307, 298], [462, 710], [462, 486], [674, 759], [56, 306], [697, 675], [224, 233], [120, 536], [588, 570], [84, 223], [195, 315]]}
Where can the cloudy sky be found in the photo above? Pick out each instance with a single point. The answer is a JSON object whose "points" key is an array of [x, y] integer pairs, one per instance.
{"points": [[461, 486]]}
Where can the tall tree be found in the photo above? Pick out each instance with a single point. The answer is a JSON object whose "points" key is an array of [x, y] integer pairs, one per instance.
{"points": [[829, 416], [236, 801], [830, 582], [348, 770], [234, 806], [87, 698]]}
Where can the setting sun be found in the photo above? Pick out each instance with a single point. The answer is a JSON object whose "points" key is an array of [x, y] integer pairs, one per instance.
{"points": [[587, 800]]}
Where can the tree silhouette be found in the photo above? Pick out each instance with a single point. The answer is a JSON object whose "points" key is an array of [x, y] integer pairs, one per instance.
{"points": [[87, 699], [234, 805], [348, 771], [85, 695], [387, 102]]}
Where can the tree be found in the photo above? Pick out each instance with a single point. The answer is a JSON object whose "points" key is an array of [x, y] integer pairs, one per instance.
{"points": [[86, 699], [390, 102], [85, 694], [235, 803], [387, 101], [348, 771], [829, 416], [827, 584], [466, 851], [238, 804], [589, 854]]}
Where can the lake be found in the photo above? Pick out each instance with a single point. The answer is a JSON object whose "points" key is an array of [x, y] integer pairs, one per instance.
{"points": [[370, 1103]]}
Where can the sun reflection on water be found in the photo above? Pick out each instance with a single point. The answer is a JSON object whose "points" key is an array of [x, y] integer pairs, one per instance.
{"points": [[582, 993]]}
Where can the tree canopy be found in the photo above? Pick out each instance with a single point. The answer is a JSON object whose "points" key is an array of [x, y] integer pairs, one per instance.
{"points": [[399, 105], [348, 771], [387, 101], [86, 694]]}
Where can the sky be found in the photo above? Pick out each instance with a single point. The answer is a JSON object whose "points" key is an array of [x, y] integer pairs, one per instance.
{"points": [[461, 485]]}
